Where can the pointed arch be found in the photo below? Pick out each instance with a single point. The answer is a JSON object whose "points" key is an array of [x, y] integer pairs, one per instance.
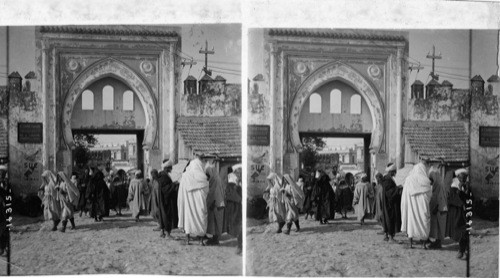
{"points": [[345, 73], [110, 67]]}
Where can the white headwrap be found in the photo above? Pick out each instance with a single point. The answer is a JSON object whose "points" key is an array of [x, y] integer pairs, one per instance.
{"points": [[461, 171], [166, 164], [3, 167], [392, 167]]}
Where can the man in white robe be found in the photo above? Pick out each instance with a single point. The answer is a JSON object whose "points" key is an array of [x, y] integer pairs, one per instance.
{"points": [[192, 199], [415, 211]]}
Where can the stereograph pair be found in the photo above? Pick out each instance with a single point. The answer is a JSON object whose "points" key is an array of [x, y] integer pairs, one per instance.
{"points": [[122, 151]]}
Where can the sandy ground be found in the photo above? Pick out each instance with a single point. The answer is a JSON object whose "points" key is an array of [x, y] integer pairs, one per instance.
{"points": [[344, 248], [115, 246]]}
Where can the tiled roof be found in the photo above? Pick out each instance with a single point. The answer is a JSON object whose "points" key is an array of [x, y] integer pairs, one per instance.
{"points": [[433, 82], [478, 78], [334, 35], [117, 30], [190, 77], [206, 77], [417, 82], [494, 78], [219, 78], [446, 83], [15, 74], [438, 140], [212, 135]]}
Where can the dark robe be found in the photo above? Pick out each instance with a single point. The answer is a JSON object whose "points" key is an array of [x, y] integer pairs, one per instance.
{"points": [[167, 202], [322, 194], [344, 197], [233, 212], [391, 205], [155, 200], [82, 187], [98, 193], [308, 188], [455, 224]]}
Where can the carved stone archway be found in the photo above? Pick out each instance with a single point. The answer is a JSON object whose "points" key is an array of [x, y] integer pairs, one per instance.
{"points": [[345, 73], [110, 67]]}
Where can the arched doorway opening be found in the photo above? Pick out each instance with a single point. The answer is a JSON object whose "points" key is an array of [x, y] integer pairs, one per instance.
{"points": [[347, 105], [110, 98]]}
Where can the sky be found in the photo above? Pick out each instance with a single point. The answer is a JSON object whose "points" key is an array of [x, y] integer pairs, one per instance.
{"points": [[224, 39]]}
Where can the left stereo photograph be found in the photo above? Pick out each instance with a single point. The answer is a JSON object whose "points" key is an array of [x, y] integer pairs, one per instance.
{"points": [[120, 149]]}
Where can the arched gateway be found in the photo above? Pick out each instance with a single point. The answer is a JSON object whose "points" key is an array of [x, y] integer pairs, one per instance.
{"points": [[298, 63], [110, 67], [342, 72], [71, 60]]}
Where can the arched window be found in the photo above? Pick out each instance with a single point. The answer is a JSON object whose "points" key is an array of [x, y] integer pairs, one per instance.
{"points": [[315, 103], [335, 101], [107, 98], [87, 100], [128, 101], [356, 104]]}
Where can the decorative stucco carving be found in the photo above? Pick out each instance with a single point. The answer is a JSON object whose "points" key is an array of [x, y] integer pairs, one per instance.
{"points": [[343, 72], [374, 71], [73, 65], [147, 68], [300, 68], [116, 69]]}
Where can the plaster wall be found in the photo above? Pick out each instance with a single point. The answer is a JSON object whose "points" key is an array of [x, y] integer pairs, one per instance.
{"points": [[108, 119], [345, 122], [484, 170], [26, 162], [217, 100]]}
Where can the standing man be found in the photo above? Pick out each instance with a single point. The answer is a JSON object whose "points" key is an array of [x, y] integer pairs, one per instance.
{"points": [[215, 203], [363, 194], [417, 193], [167, 199], [391, 215], [456, 225], [136, 195], [192, 199]]}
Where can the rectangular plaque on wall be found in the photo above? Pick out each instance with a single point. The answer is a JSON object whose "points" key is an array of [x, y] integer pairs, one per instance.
{"points": [[30, 133], [489, 136], [259, 135]]}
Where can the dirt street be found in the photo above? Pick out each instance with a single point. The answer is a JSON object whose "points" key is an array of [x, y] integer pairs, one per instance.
{"points": [[344, 248], [115, 246]]}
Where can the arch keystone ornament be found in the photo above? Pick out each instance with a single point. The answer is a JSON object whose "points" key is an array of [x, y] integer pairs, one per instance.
{"points": [[110, 67], [342, 72]]}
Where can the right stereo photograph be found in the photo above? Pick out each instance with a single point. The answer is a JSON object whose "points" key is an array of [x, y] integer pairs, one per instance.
{"points": [[372, 152]]}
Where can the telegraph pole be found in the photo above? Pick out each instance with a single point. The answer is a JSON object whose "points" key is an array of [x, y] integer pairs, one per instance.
{"points": [[434, 57], [207, 52]]}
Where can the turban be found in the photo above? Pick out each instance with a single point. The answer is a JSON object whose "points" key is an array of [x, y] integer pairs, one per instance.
{"points": [[271, 176], [390, 167], [3, 167], [461, 171], [138, 172], [167, 164]]}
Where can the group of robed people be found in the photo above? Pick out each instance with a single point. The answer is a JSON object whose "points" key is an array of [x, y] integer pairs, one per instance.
{"points": [[201, 204], [422, 207]]}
